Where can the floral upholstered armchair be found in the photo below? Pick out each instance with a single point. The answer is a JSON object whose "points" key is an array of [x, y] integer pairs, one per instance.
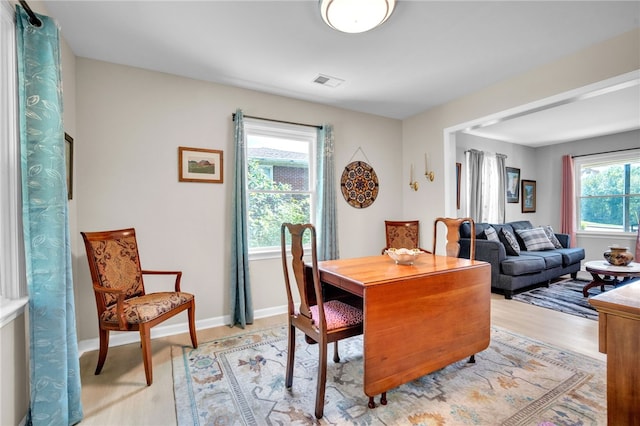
{"points": [[121, 299]]}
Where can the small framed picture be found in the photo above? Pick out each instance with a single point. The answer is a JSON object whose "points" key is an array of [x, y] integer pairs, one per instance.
{"points": [[528, 196], [200, 165], [68, 156], [513, 184]]}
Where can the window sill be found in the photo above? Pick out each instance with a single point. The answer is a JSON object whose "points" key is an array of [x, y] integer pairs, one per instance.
{"points": [[264, 255], [606, 234], [10, 309]]}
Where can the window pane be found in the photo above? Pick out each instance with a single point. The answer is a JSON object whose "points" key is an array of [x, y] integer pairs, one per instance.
{"points": [[609, 213], [611, 179], [267, 212], [278, 164]]}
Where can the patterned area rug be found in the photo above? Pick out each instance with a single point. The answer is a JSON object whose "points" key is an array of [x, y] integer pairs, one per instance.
{"points": [[564, 296], [239, 380]]}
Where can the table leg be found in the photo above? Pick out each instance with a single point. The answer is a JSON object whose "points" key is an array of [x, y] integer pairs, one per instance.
{"points": [[598, 281]]}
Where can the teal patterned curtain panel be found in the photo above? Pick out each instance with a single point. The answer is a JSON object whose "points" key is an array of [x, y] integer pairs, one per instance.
{"points": [[240, 291], [327, 218], [54, 366]]}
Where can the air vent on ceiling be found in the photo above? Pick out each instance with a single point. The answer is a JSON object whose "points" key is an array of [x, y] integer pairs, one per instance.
{"points": [[328, 81]]}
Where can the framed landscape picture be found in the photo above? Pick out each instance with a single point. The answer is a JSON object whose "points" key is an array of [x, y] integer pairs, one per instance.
{"points": [[513, 184], [528, 196], [199, 165]]}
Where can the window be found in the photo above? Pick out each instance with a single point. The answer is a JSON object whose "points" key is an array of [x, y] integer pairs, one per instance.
{"points": [[12, 275], [281, 180], [608, 189]]}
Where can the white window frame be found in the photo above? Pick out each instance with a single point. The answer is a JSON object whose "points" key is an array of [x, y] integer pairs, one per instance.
{"points": [[579, 162], [300, 133], [13, 288]]}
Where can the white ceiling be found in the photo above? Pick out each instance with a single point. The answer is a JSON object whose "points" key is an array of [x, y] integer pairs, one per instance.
{"points": [[426, 54], [602, 112]]}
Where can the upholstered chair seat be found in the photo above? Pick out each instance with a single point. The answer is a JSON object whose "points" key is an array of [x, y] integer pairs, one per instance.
{"points": [[147, 308], [337, 314]]}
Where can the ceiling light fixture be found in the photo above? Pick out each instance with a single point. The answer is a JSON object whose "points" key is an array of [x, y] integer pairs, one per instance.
{"points": [[355, 16]]}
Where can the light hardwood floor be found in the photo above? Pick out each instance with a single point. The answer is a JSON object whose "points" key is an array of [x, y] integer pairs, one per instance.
{"points": [[119, 395]]}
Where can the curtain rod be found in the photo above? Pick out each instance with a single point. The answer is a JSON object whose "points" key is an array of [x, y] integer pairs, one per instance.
{"points": [[33, 19], [485, 152], [233, 117], [605, 152]]}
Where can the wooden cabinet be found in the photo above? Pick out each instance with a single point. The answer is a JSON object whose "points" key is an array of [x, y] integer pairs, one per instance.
{"points": [[619, 338]]}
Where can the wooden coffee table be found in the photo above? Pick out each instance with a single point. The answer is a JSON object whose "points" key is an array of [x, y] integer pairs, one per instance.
{"points": [[604, 273]]}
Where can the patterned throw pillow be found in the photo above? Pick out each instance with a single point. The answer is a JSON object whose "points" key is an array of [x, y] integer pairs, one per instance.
{"points": [[491, 234], [552, 236], [535, 239], [510, 243]]}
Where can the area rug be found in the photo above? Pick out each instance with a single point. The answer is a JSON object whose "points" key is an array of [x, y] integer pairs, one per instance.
{"points": [[516, 381], [565, 296]]}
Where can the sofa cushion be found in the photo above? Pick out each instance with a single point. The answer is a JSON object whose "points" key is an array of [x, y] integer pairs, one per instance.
{"points": [[552, 259], [465, 230], [535, 239], [521, 224], [552, 236], [491, 234], [571, 255], [509, 240], [521, 265]]}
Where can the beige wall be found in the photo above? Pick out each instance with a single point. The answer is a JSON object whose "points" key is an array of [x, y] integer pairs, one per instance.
{"points": [[130, 123], [425, 132], [14, 378]]}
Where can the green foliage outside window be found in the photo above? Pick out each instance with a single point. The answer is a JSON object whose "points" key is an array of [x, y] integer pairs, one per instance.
{"points": [[610, 197], [270, 204]]}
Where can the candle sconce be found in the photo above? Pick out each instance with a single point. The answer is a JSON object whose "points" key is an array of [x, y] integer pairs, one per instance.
{"points": [[429, 175], [412, 183]]}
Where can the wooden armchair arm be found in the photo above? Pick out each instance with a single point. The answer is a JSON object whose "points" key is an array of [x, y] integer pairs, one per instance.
{"points": [[178, 275], [119, 302]]}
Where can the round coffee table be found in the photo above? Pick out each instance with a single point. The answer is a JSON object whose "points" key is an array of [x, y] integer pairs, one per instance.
{"points": [[604, 273]]}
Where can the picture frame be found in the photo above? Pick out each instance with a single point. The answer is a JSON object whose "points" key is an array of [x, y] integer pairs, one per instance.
{"points": [[200, 165], [513, 184], [68, 157], [528, 196], [458, 182]]}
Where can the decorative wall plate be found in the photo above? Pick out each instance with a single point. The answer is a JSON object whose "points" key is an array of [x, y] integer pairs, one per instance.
{"points": [[359, 184]]}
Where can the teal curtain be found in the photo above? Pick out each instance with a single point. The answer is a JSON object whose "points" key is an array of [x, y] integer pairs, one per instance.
{"points": [[241, 305], [326, 217], [54, 366]]}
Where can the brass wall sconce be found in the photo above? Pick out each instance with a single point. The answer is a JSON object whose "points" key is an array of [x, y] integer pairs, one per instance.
{"points": [[412, 183], [429, 175]]}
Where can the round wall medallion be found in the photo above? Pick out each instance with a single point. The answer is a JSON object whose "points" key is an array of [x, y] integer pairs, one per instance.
{"points": [[359, 184]]}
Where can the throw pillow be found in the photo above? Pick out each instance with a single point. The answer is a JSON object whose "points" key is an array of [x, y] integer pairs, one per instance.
{"points": [[491, 234], [535, 239], [552, 236], [510, 243]]}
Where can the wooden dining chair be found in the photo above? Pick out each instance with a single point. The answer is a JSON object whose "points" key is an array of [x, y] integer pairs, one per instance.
{"points": [[402, 234], [121, 299], [321, 321], [453, 235]]}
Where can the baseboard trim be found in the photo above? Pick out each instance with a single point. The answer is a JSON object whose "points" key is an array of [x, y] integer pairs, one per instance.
{"points": [[118, 338]]}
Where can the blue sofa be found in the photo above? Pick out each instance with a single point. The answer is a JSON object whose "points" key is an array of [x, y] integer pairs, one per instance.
{"points": [[510, 272]]}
